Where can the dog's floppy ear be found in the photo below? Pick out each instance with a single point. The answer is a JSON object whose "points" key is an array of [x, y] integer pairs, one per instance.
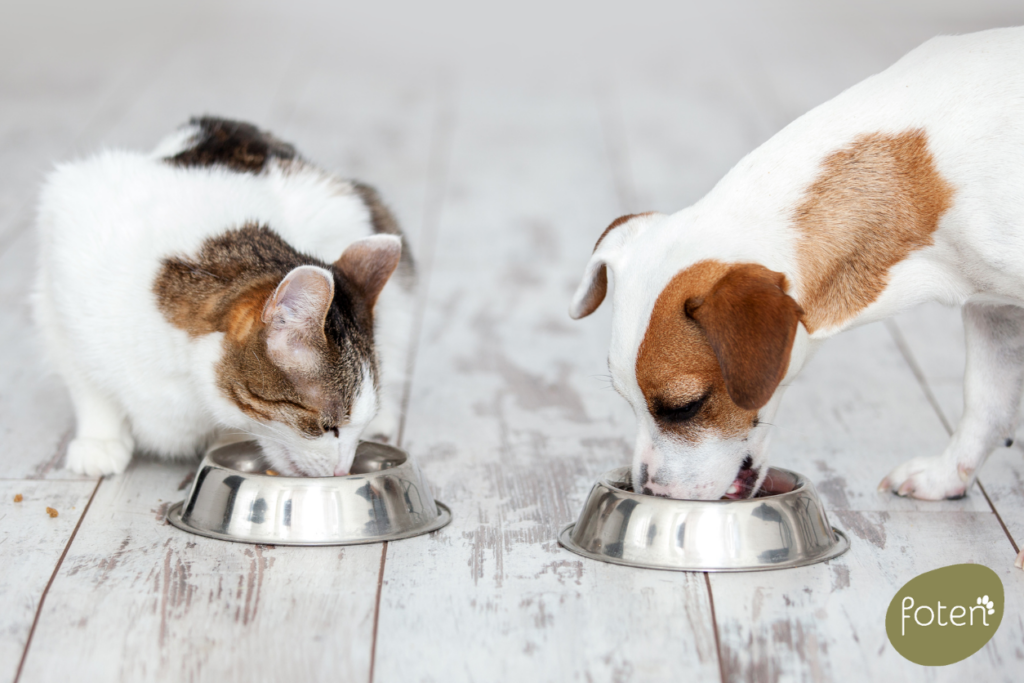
{"points": [[750, 323], [594, 286], [591, 290]]}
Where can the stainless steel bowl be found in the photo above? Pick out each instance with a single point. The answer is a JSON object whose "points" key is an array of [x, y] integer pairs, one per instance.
{"points": [[785, 526], [233, 499]]}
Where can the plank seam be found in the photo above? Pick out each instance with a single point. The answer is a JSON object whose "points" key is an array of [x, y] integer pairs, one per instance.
{"points": [[901, 344], [439, 159], [714, 627], [376, 609], [1006, 530], [42, 598]]}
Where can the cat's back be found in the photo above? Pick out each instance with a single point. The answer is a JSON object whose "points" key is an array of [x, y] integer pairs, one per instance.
{"points": [[207, 178]]}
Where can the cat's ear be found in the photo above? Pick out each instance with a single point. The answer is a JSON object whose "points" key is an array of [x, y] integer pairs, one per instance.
{"points": [[295, 316], [369, 262]]}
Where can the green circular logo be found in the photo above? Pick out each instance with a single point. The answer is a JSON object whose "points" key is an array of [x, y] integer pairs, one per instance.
{"points": [[945, 615]]}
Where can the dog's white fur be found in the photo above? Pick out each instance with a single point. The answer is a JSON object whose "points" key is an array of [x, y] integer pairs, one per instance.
{"points": [[967, 94], [135, 380]]}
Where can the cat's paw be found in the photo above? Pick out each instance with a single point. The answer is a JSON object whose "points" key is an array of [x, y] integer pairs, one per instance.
{"points": [[383, 428], [925, 479], [98, 457]]}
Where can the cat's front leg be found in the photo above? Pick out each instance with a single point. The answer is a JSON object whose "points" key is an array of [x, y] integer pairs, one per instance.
{"points": [[103, 442]]}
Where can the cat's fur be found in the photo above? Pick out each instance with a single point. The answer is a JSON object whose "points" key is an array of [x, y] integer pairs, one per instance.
{"points": [[221, 282]]}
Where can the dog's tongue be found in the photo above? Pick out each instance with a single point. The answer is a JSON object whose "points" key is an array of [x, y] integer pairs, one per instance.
{"points": [[744, 482]]}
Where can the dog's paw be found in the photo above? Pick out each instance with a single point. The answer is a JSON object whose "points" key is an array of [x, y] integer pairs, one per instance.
{"points": [[383, 428], [925, 479], [98, 457]]}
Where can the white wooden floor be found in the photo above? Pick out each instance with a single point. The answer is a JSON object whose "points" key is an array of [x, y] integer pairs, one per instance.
{"points": [[505, 138]]}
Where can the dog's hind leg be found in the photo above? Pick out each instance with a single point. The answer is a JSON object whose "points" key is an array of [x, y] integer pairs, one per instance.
{"points": [[993, 379]]}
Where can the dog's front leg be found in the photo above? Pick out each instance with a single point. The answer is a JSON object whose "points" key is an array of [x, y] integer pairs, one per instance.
{"points": [[993, 380]]}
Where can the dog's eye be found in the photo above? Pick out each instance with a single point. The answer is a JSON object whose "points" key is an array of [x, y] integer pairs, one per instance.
{"points": [[677, 414]]}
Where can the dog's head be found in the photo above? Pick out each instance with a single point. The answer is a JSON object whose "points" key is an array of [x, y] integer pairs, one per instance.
{"points": [[699, 352]]}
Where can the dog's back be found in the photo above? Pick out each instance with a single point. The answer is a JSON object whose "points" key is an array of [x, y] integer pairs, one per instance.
{"points": [[947, 119]]}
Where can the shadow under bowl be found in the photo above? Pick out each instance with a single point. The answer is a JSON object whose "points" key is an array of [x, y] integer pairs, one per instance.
{"points": [[233, 499], [784, 526]]}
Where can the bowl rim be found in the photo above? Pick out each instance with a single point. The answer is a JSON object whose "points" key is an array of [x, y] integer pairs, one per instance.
{"points": [[609, 480], [207, 460]]}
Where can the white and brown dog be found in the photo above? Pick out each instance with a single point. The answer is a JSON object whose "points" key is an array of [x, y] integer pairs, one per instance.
{"points": [[906, 188]]}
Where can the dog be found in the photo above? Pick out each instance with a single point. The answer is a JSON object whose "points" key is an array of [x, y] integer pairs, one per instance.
{"points": [[906, 188]]}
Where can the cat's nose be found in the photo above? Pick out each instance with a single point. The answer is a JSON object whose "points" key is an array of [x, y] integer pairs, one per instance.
{"points": [[341, 471]]}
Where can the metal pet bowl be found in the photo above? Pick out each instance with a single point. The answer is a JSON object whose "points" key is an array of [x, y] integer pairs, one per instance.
{"points": [[233, 499], [784, 526]]}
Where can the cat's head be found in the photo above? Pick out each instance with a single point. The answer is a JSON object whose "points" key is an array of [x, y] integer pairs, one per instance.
{"points": [[299, 360]]}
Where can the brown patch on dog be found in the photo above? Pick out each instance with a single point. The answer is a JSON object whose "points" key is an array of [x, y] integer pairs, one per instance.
{"points": [[724, 331], [873, 203], [751, 324], [676, 364], [236, 145], [224, 288]]}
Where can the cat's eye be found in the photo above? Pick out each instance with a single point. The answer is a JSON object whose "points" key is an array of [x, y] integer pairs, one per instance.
{"points": [[677, 414]]}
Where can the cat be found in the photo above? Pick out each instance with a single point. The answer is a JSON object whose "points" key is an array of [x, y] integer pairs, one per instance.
{"points": [[221, 283]]}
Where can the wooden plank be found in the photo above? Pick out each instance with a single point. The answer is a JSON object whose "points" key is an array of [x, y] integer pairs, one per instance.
{"points": [[827, 622], [31, 542], [377, 128], [511, 425], [138, 600], [54, 107], [253, 84], [850, 416]]}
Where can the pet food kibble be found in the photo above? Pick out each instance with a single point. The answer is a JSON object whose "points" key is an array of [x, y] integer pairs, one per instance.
{"points": [[51, 512], [272, 473], [18, 498]]}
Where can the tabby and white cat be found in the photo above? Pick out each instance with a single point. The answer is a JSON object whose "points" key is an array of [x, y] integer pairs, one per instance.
{"points": [[221, 282]]}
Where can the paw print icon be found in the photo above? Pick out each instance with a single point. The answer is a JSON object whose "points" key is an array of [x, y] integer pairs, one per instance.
{"points": [[987, 604]]}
